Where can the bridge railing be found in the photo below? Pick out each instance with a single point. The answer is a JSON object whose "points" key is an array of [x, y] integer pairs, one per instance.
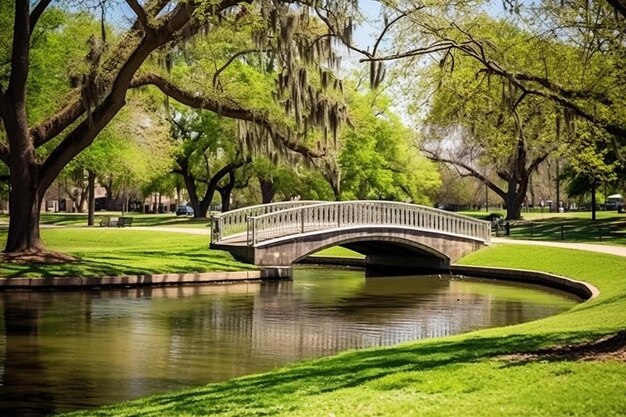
{"points": [[234, 223], [344, 214]]}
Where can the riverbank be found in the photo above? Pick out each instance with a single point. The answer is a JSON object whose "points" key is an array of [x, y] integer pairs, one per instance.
{"points": [[502, 371]]}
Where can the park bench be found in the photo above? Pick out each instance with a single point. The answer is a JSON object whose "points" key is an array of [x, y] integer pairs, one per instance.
{"points": [[124, 221], [105, 221]]}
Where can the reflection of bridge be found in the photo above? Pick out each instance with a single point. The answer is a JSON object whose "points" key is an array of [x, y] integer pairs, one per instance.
{"points": [[388, 233]]}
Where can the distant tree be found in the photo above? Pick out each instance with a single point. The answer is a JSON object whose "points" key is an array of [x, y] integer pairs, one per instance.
{"points": [[208, 154], [590, 165], [379, 159], [488, 128]]}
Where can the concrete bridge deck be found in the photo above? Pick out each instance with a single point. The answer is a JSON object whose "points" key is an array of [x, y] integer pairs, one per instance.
{"points": [[389, 234]]}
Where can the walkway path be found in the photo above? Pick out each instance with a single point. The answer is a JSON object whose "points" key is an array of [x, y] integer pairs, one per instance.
{"points": [[189, 230], [612, 250]]}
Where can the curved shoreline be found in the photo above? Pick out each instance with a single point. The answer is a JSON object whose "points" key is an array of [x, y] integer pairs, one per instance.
{"points": [[581, 289]]}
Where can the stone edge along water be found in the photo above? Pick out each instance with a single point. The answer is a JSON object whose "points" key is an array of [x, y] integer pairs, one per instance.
{"points": [[582, 289]]}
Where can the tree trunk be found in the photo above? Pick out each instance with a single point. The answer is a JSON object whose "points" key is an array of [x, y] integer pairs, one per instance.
{"points": [[515, 197], [267, 190], [108, 187], [201, 207], [91, 186], [513, 210], [25, 202], [593, 200], [226, 191], [82, 201], [336, 191]]}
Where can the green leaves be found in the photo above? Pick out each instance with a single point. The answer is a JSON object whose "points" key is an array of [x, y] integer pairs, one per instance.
{"points": [[379, 159]]}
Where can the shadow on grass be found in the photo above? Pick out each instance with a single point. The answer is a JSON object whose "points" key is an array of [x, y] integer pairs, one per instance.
{"points": [[111, 265], [267, 394]]}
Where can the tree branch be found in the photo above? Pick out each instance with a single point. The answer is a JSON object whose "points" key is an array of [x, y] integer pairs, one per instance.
{"points": [[552, 91], [19, 56], [232, 110], [128, 47], [472, 171], [537, 161], [139, 11], [36, 13], [388, 26], [230, 61], [619, 6], [571, 94], [83, 135], [334, 33], [50, 128]]}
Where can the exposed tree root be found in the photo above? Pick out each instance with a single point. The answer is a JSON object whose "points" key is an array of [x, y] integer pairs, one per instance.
{"points": [[37, 257]]}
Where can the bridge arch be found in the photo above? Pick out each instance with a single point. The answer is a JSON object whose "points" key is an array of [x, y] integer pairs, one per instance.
{"points": [[373, 245]]}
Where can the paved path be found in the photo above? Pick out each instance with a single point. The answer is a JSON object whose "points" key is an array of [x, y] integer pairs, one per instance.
{"points": [[189, 230], [612, 250]]}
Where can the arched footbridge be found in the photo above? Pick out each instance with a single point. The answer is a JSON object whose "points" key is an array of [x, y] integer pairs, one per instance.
{"points": [[389, 234]]}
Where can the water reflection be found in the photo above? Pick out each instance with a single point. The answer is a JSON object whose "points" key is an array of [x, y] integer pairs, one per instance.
{"points": [[64, 351]]}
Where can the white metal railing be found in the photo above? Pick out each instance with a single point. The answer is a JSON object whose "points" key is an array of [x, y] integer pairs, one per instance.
{"points": [[234, 223], [345, 214]]}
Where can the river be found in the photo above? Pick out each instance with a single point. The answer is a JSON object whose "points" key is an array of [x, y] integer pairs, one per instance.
{"points": [[62, 351]]}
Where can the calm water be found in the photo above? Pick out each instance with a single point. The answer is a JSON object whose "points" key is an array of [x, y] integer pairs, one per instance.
{"points": [[66, 351]]}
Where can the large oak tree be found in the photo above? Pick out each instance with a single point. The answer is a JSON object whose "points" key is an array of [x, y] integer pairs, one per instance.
{"points": [[112, 68]]}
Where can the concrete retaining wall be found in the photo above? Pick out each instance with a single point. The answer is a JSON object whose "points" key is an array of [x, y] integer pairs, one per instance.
{"points": [[581, 289], [144, 280]]}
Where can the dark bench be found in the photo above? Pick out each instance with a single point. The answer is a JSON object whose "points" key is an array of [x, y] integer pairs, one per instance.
{"points": [[124, 221]]}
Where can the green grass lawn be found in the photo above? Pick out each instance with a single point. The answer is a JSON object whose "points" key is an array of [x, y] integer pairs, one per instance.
{"points": [[112, 251], [339, 252], [463, 375]]}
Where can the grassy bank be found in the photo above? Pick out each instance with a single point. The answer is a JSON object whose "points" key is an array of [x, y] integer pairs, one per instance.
{"points": [[112, 251], [470, 374]]}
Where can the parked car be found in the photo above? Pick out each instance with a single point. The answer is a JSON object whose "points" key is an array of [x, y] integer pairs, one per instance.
{"points": [[614, 202], [184, 211]]}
